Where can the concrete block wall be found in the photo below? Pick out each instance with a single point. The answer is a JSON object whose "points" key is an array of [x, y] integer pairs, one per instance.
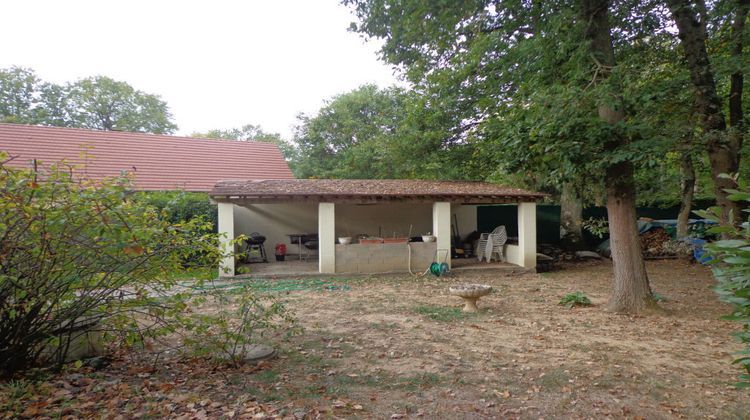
{"points": [[383, 258]]}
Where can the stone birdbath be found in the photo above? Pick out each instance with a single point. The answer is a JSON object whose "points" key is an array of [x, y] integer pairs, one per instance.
{"points": [[470, 294]]}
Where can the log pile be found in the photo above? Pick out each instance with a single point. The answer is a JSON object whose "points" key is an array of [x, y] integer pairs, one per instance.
{"points": [[657, 243]]}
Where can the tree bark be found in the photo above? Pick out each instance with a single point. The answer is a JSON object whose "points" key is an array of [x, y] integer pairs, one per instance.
{"points": [[571, 215], [723, 150], [736, 115], [631, 290], [687, 187]]}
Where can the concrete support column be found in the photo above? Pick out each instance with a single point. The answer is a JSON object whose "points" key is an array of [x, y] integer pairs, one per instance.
{"points": [[326, 238], [527, 234], [226, 230], [441, 228]]}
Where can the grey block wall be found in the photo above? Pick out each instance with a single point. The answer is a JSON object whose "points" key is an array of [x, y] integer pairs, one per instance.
{"points": [[383, 258]]}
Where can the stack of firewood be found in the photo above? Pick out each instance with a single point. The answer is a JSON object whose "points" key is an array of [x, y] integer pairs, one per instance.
{"points": [[653, 242]]}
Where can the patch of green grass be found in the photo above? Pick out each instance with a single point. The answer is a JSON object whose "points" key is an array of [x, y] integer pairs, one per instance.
{"points": [[266, 376], [658, 297], [575, 299], [194, 273], [442, 313], [420, 381], [554, 379], [13, 394]]}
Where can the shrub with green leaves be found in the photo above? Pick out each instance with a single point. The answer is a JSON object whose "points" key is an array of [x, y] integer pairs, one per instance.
{"points": [[731, 268], [180, 206], [77, 255], [575, 299], [596, 226], [245, 317]]}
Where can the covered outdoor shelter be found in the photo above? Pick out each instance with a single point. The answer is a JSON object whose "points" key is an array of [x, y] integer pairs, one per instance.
{"points": [[281, 210]]}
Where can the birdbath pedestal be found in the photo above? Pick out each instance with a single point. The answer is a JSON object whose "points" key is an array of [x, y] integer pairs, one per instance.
{"points": [[470, 293]]}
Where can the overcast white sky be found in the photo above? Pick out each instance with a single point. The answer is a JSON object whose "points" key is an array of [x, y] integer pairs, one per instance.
{"points": [[217, 63]]}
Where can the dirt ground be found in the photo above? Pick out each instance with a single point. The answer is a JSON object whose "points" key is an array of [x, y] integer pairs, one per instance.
{"points": [[399, 347]]}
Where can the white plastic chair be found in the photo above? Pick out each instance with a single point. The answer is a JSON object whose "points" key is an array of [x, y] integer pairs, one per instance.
{"points": [[492, 243]]}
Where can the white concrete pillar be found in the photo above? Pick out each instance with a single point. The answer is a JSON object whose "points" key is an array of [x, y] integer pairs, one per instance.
{"points": [[441, 228], [326, 237], [527, 234], [226, 230]]}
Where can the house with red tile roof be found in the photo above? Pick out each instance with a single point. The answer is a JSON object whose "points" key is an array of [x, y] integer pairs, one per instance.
{"points": [[256, 193], [156, 162]]}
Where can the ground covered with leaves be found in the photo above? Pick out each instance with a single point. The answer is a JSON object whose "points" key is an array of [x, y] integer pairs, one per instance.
{"points": [[400, 347]]}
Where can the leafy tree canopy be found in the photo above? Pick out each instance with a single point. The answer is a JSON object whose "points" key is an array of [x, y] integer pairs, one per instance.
{"points": [[250, 132], [99, 103], [381, 133]]}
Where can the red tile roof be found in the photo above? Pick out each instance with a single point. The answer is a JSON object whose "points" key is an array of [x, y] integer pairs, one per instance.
{"points": [[347, 190], [157, 162]]}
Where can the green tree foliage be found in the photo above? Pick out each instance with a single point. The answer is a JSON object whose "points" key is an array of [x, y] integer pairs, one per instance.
{"points": [[180, 206], [102, 103], [18, 95], [74, 253], [99, 103], [517, 77], [381, 133], [732, 272], [250, 132]]}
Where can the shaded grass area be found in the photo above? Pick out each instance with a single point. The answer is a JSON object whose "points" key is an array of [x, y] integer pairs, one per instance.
{"points": [[278, 285], [443, 313]]}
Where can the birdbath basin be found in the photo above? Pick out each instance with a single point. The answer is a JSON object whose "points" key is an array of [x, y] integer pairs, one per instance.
{"points": [[470, 293]]}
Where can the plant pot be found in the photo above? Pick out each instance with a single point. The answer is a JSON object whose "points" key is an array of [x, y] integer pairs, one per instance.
{"points": [[345, 240], [395, 240], [428, 238], [280, 258], [371, 241]]}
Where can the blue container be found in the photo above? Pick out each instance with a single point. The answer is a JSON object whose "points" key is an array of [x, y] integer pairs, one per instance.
{"points": [[699, 253]]}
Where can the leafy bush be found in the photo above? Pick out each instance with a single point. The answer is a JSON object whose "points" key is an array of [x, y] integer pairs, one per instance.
{"points": [[731, 268], [77, 256], [575, 299], [597, 227], [180, 206], [243, 319]]}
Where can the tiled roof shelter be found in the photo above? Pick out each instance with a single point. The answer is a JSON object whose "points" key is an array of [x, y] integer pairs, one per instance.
{"points": [[157, 162], [369, 190], [336, 208]]}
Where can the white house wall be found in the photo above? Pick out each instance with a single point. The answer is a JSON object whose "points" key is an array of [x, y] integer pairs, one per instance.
{"points": [[388, 220], [276, 221], [467, 218]]}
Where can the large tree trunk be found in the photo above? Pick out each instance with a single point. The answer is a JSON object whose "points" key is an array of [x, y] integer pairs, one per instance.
{"points": [[687, 190], [571, 215], [631, 291], [723, 150]]}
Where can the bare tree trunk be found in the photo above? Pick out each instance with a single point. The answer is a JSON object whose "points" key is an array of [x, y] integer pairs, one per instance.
{"points": [[687, 190], [723, 150], [631, 290], [571, 214]]}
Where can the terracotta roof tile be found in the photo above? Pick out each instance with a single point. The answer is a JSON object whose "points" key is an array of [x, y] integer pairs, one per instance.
{"points": [[342, 189], [157, 162]]}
